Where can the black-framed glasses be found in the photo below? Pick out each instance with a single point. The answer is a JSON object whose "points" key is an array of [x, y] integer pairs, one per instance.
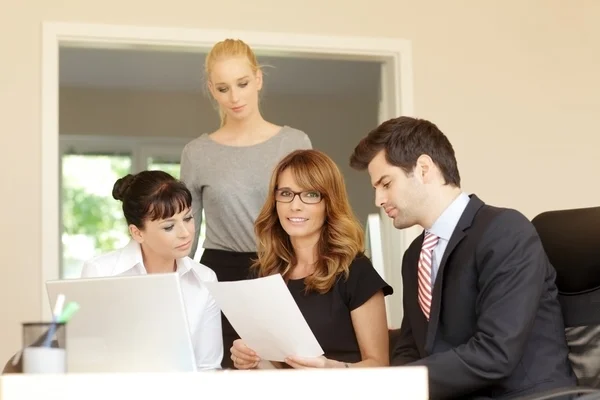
{"points": [[307, 197]]}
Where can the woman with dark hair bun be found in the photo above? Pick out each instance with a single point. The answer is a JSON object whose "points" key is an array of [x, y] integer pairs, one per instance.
{"points": [[157, 208]]}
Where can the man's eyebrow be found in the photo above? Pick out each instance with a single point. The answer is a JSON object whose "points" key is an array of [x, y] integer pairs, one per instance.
{"points": [[379, 180]]}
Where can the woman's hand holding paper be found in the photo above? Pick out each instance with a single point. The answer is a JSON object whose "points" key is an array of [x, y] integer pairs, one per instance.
{"points": [[243, 357]]}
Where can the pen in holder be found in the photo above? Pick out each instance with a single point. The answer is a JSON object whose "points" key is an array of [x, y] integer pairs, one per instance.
{"points": [[44, 347], [58, 309], [44, 343]]}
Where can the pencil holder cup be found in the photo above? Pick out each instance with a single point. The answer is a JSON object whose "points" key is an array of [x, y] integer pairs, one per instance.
{"points": [[44, 348]]}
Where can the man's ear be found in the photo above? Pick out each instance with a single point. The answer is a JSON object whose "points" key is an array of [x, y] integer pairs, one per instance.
{"points": [[136, 233], [424, 168]]}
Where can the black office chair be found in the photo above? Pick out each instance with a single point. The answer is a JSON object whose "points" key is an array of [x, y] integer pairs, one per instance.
{"points": [[571, 239], [394, 337]]}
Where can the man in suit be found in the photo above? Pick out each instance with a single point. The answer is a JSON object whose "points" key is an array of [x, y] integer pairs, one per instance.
{"points": [[480, 301]]}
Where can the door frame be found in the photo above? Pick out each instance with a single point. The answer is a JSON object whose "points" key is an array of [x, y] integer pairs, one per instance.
{"points": [[396, 99]]}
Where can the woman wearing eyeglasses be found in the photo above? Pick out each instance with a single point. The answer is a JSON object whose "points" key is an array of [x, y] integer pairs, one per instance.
{"points": [[307, 232]]}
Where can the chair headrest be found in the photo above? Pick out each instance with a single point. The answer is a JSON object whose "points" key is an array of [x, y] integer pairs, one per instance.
{"points": [[571, 239]]}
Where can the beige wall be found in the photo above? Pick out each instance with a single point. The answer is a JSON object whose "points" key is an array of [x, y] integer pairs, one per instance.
{"points": [[514, 84]]}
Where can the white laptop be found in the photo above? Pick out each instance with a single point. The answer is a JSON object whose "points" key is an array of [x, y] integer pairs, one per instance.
{"points": [[126, 324]]}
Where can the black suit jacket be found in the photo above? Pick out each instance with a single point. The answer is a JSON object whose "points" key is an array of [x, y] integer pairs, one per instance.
{"points": [[496, 327]]}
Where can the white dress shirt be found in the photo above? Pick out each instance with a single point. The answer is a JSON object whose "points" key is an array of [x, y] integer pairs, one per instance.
{"points": [[204, 316], [444, 227]]}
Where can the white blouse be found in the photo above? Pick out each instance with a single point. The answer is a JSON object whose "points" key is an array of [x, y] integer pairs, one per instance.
{"points": [[204, 316]]}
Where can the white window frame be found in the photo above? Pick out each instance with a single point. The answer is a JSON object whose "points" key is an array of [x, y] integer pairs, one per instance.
{"points": [[138, 147]]}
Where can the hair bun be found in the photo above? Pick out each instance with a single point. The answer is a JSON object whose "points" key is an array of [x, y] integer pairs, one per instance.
{"points": [[121, 186]]}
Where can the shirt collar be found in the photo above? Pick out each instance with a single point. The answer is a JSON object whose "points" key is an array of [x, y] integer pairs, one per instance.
{"points": [[446, 223], [131, 262]]}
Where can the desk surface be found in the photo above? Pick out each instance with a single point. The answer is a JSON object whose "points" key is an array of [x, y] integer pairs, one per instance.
{"points": [[347, 384]]}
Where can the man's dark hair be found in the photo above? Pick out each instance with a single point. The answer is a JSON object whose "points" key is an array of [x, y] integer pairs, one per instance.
{"points": [[404, 140]]}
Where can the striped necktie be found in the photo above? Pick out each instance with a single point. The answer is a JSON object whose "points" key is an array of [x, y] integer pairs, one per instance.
{"points": [[424, 272]]}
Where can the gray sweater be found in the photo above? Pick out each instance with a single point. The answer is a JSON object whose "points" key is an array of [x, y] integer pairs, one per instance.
{"points": [[231, 183]]}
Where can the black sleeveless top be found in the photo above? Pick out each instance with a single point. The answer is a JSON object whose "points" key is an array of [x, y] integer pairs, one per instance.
{"points": [[328, 314]]}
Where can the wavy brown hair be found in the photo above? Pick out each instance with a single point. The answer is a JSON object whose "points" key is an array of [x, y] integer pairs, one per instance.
{"points": [[342, 236]]}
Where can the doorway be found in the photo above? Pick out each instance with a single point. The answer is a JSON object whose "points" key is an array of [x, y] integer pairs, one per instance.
{"points": [[126, 110], [395, 98]]}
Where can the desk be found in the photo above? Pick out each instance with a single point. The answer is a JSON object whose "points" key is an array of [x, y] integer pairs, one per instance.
{"points": [[348, 384]]}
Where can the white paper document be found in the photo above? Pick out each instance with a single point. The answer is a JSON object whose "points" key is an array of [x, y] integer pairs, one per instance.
{"points": [[265, 315]]}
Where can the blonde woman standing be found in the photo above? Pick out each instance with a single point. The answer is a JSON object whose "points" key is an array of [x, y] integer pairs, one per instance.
{"points": [[228, 170]]}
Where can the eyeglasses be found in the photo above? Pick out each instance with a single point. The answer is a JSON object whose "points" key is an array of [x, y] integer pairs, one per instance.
{"points": [[307, 197]]}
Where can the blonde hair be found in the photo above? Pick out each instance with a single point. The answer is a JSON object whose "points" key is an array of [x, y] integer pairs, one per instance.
{"points": [[342, 236], [229, 48]]}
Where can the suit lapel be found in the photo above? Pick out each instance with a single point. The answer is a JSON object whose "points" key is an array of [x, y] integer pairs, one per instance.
{"points": [[458, 235]]}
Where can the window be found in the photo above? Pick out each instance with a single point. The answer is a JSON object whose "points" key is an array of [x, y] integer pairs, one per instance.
{"points": [[92, 221], [171, 168]]}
